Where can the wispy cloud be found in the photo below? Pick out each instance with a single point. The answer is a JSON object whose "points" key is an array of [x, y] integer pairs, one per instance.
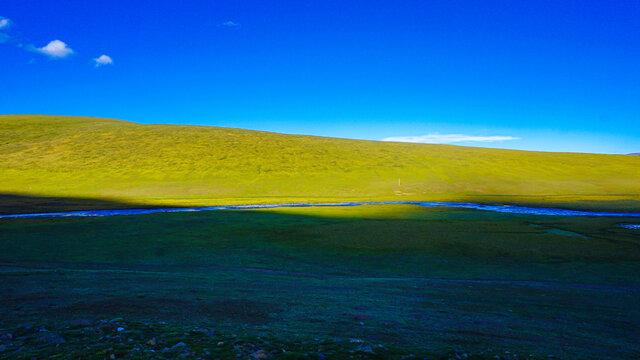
{"points": [[4, 22], [56, 49], [229, 24], [436, 138], [103, 60]]}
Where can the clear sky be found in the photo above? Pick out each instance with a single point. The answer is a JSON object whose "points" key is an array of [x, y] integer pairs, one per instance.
{"points": [[538, 75]]}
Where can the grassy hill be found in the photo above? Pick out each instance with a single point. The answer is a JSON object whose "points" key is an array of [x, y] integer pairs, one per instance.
{"points": [[83, 157]]}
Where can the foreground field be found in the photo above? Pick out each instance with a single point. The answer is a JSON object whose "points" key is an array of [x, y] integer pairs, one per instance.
{"points": [[129, 164], [371, 281]]}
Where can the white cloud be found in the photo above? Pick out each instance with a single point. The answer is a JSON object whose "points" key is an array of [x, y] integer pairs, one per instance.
{"points": [[448, 138], [229, 24], [56, 49], [4, 23], [103, 60]]}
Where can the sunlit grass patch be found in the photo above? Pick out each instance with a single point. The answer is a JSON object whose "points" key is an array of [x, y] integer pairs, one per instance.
{"points": [[156, 165]]}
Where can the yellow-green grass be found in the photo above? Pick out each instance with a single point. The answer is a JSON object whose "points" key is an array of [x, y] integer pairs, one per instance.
{"points": [[136, 164]]}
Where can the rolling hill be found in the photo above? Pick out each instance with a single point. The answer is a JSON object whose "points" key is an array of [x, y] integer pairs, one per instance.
{"points": [[82, 157]]}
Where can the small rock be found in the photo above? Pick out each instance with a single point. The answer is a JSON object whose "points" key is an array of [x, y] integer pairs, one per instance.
{"points": [[112, 356], [51, 339], [365, 348], [152, 342], [120, 329], [220, 342], [260, 354]]}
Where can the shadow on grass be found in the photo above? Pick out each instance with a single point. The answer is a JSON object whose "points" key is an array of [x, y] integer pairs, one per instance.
{"points": [[413, 278], [27, 204]]}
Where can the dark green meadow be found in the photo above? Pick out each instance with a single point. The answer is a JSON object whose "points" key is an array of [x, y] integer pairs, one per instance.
{"points": [[365, 282]]}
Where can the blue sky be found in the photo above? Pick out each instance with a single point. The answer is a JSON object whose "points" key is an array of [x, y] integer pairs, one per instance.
{"points": [[535, 75]]}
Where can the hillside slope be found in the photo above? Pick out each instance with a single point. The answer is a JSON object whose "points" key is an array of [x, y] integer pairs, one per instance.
{"points": [[169, 164]]}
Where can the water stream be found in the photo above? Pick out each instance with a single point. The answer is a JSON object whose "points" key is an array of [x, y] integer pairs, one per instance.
{"points": [[512, 209]]}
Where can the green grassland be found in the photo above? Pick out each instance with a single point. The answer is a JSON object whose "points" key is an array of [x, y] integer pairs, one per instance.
{"points": [[389, 280], [128, 163], [384, 281]]}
